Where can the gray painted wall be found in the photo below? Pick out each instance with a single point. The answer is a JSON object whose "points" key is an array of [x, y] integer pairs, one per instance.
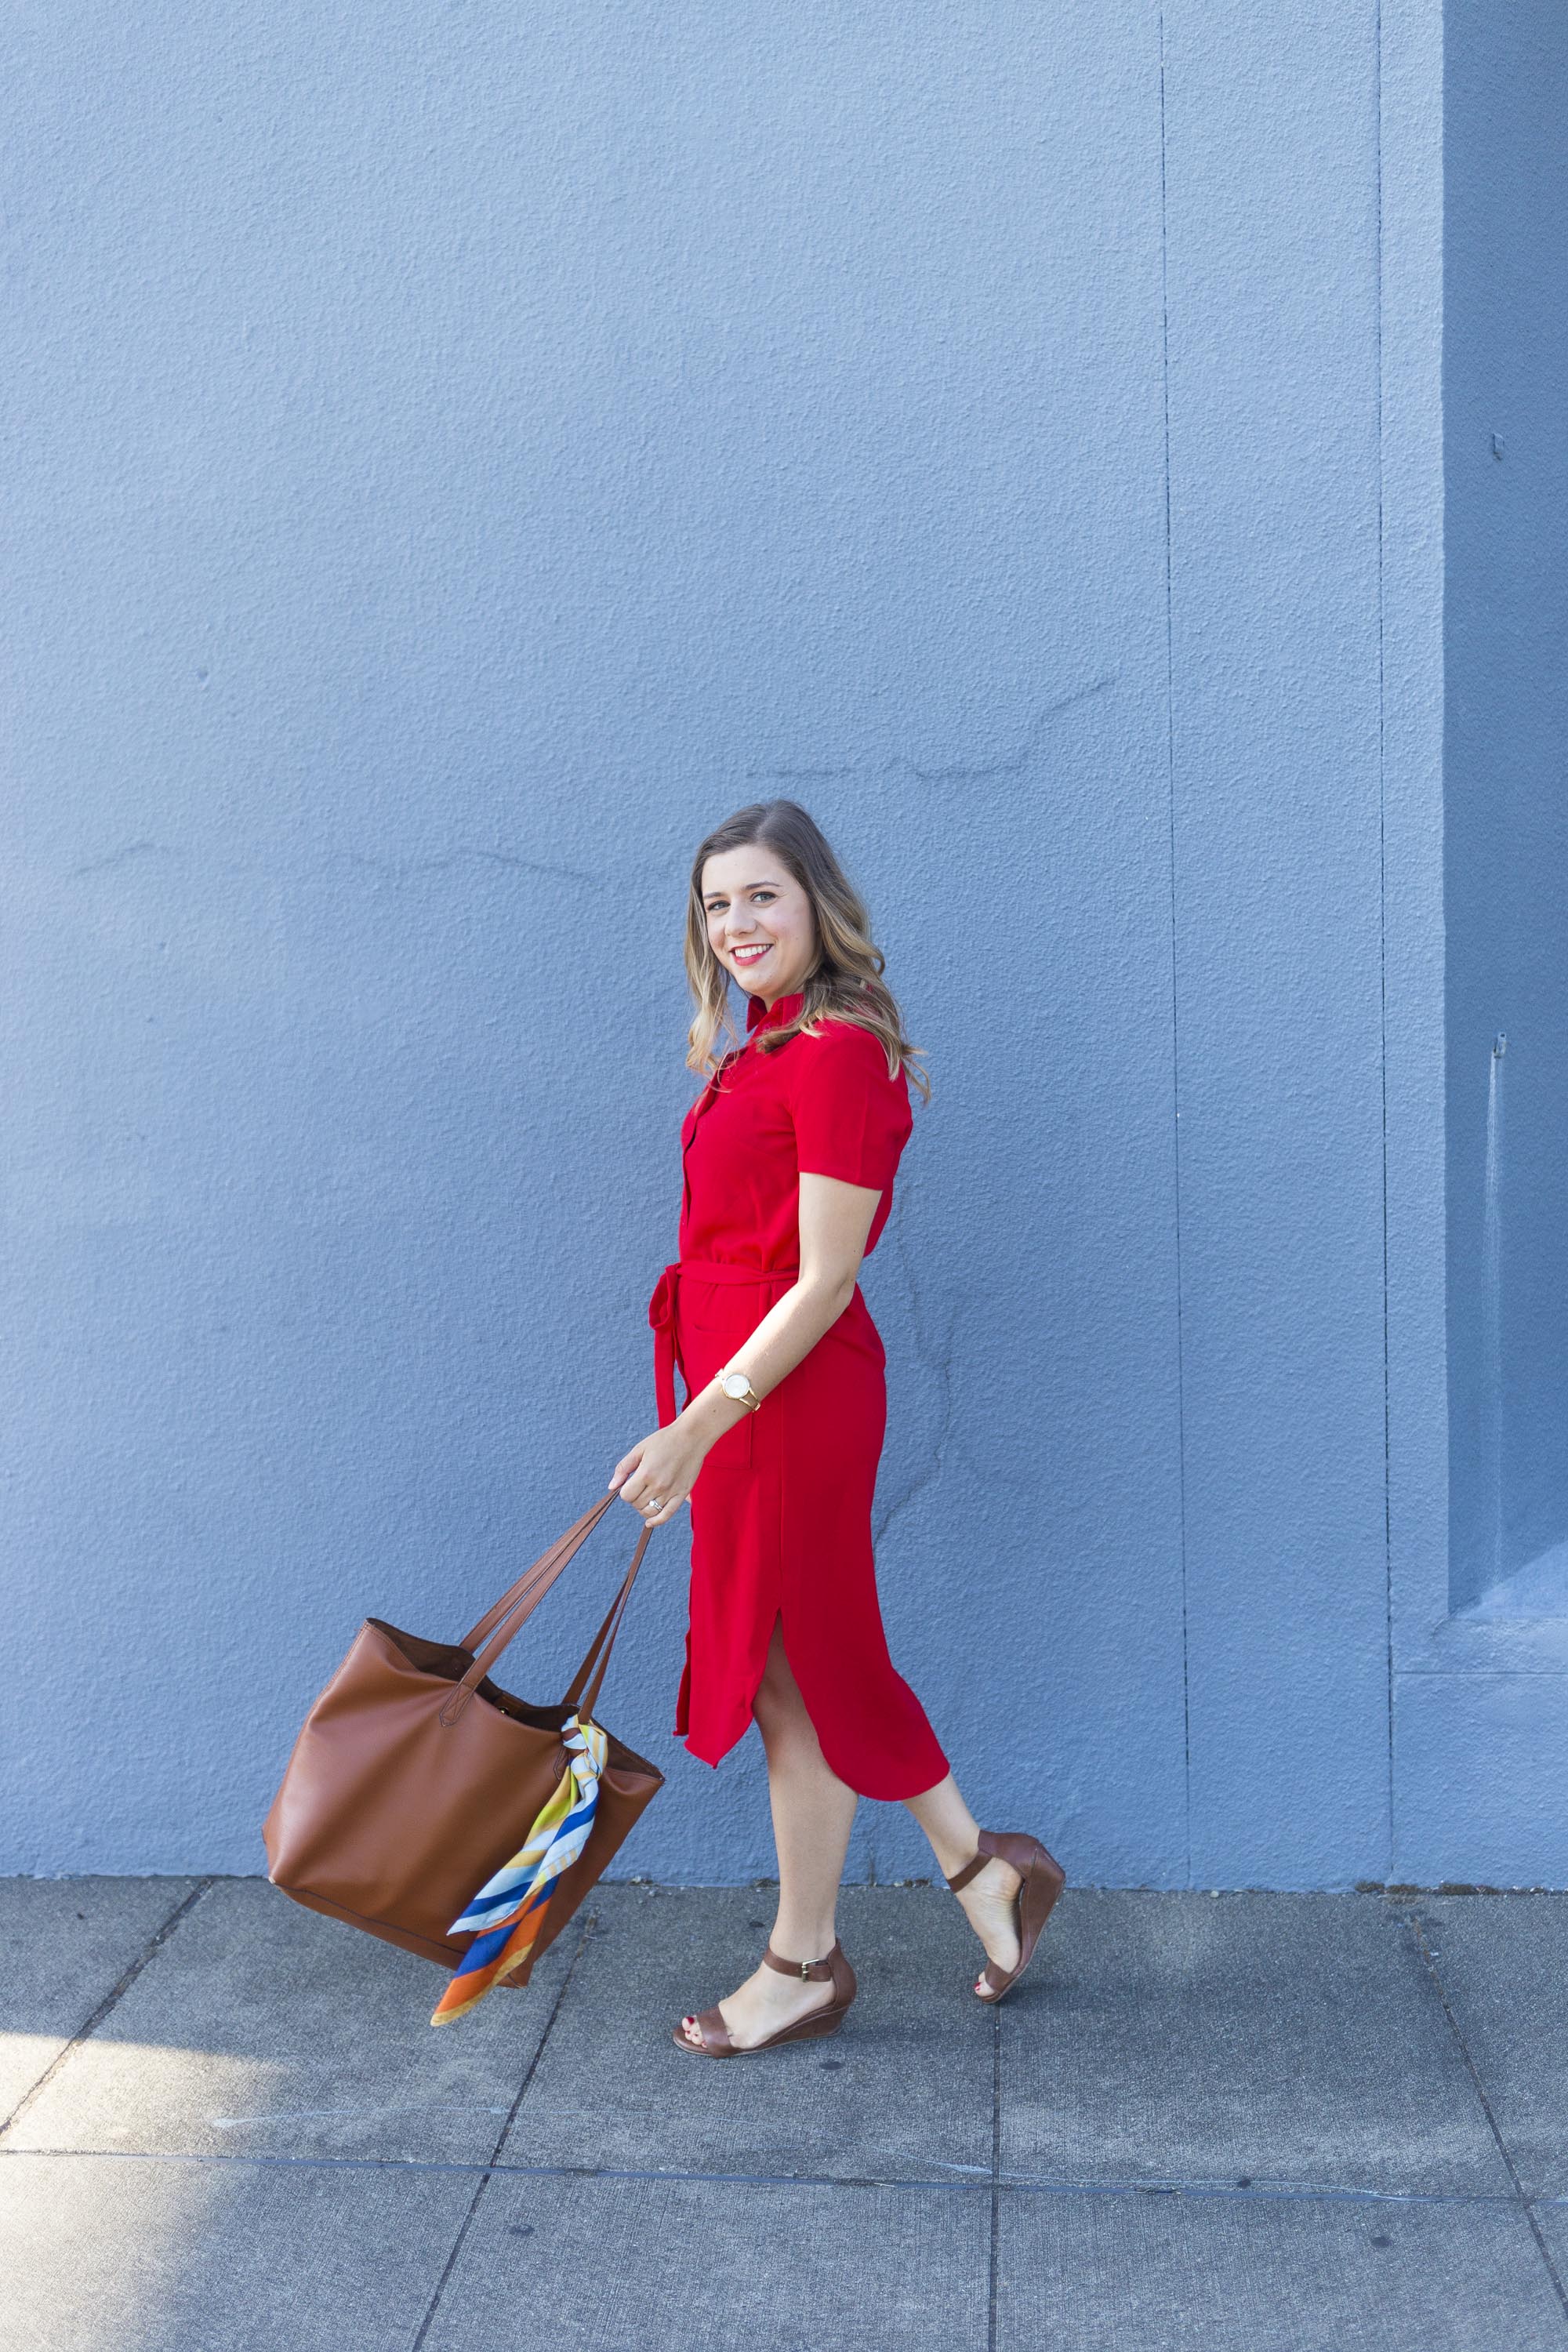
{"points": [[1505, 395], [471, 452], [1480, 1720]]}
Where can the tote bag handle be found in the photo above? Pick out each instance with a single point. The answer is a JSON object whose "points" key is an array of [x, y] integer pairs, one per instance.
{"points": [[550, 1561], [500, 1625]]}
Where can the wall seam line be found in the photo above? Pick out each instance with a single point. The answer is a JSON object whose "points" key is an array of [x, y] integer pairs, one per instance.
{"points": [[1383, 953], [1176, 1052]]}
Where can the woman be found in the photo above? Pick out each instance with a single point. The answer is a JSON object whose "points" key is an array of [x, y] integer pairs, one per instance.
{"points": [[789, 1156]]}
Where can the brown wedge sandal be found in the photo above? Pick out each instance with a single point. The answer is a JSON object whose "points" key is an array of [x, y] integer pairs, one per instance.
{"points": [[716, 2042], [1042, 1879]]}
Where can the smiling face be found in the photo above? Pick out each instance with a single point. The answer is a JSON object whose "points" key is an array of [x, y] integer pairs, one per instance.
{"points": [[759, 922]]}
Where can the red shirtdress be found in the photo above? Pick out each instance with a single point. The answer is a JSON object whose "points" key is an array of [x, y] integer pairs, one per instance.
{"points": [[781, 1510]]}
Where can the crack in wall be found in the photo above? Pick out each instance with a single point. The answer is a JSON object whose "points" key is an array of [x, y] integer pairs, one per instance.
{"points": [[395, 869], [1014, 763], [409, 869], [114, 858]]}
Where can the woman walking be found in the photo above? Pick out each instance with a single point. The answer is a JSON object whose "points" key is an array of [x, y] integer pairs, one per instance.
{"points": [[789, 1158]]}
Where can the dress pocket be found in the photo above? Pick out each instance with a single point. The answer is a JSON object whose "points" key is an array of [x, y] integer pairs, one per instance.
{"points": [[716, 1320]]}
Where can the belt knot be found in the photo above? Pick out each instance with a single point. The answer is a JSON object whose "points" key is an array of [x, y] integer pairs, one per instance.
{"points": [[661, 1306]]}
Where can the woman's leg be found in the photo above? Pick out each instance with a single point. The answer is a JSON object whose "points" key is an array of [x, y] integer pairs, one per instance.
{"points": [[989, 1899], [813, 1811]]}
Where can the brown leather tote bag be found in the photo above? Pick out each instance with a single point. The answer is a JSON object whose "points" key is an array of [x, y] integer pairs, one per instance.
{"points": [[416, 1776]]}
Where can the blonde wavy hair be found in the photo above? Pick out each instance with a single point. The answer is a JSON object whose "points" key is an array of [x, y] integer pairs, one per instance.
{"points": [[847, 982]]}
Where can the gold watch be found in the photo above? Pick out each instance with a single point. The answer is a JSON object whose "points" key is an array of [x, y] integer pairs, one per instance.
{"points": [[736, 1385]]}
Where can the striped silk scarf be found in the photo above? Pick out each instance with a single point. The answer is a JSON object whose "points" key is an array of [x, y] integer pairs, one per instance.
{"points": [[508, 1909]]}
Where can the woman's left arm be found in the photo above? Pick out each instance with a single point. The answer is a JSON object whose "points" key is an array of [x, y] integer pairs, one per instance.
{"points": [[835, 1222]]}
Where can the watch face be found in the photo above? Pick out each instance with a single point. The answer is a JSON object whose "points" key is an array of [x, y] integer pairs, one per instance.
{"points": [[735, 1384]]}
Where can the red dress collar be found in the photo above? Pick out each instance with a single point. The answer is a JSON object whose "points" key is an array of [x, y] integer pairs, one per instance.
{"points": [[760, 1015]]}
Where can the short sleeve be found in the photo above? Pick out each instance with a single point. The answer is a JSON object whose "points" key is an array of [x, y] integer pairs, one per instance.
{"points": [[851, 1121]]}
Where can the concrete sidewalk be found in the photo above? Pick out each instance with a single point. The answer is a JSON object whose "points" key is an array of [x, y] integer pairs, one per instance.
{"points": [[1244, 2123]]}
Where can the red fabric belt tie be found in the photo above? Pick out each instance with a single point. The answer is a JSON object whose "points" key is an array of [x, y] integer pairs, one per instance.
{"points": [[661, 1314]]}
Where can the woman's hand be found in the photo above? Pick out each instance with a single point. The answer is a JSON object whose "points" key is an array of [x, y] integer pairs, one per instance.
{"points": [[660, 1470]]}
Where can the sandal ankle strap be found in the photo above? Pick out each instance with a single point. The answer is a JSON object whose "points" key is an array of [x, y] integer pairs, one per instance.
{"points": [[810, 1971], [971, 1870]]}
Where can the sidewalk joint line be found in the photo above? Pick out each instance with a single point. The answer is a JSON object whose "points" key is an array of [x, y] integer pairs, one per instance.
{"points": [[996, 2183], [483, 2182], [1526, 2205], [1016, 2184], [111, 2000]]}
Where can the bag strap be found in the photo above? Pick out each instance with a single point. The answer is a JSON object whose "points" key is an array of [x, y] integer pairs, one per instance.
{"points": [[549, 1559], [582, 1694], [579, 1681], [499, 1626], [518, 1604]]}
